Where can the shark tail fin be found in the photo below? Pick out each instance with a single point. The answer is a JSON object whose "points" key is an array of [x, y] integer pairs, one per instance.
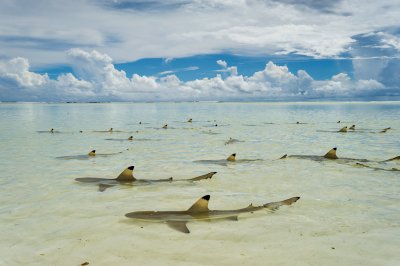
{"points": [[392, 159], [201, 177], [283, 157], [201, 205], [276, 205]]}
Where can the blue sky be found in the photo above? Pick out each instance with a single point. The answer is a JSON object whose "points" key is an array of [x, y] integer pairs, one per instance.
{"points": [[138, 50]]}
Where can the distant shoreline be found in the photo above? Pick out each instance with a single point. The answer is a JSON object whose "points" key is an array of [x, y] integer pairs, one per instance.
{"points": [[169, 102]]}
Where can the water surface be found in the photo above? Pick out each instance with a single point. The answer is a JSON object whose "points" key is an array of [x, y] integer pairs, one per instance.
{"points": [[346, 215]]}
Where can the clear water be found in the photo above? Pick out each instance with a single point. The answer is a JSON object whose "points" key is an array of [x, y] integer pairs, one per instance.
{"points": [[346, 215]]}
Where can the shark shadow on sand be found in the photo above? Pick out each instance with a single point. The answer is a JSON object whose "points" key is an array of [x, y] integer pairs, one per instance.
{"points": [[199, 212], [127, 178]]}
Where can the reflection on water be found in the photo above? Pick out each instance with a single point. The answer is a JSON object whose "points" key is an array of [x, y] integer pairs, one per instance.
{"points": [[348, 214]]}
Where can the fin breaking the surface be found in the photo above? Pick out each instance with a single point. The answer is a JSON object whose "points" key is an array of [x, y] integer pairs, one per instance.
{"points": [[331, 154], [126, 175], [201, 205], [179, 226], [231, 157]]}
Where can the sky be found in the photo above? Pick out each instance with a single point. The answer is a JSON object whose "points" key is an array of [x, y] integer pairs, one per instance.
{"points": [[199, 50]]}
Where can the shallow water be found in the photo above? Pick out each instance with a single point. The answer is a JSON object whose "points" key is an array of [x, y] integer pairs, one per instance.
{"points": [[346, 215]]}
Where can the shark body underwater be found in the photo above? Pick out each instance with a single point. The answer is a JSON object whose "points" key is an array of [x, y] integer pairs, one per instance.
{"points": [[331, 155], [199, 212], [127, 178], [224, 162], [91, 154]]}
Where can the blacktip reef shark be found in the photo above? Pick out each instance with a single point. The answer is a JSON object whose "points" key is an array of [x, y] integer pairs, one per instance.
{"points": [[231, 159], [111, 130], [331, 155], [352, 129], [199, 211], [231, 141], [129, 139], [91, 154], [52, 130], [127, 178]]}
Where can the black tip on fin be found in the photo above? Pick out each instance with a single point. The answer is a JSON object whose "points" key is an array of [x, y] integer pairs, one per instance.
{"points": [[335, 148], [131, 167], [206, 197]]}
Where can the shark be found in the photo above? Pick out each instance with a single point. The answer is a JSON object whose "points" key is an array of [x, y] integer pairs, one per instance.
{"points": [[52, 130], [126, 178], [231, 141], [199, 211], [331, 155], [130, 139], [91, 154], [352, 129], [231, 159]]}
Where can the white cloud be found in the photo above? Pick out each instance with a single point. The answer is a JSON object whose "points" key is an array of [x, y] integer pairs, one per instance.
{"points": [[232, 70], [222, 63], [97, 79], [17, 70], [168, 72]]}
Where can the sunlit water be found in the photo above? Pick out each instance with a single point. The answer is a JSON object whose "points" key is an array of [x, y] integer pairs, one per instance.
{"points": [[347, 215]]}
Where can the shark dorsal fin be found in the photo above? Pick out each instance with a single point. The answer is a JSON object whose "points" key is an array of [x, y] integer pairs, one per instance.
{"points": [[200, 205], [126, 175], [331, 154], [231, 157], [343, 129]]}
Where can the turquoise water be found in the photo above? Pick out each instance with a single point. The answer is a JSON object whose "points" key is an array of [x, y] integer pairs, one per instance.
{"points": [[347, 215]]}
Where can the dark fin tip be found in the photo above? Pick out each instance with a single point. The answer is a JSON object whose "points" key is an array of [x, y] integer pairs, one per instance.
{"points": [[93, 150], [335, 148], [131, 167], [234, 154], [206, 197]]}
